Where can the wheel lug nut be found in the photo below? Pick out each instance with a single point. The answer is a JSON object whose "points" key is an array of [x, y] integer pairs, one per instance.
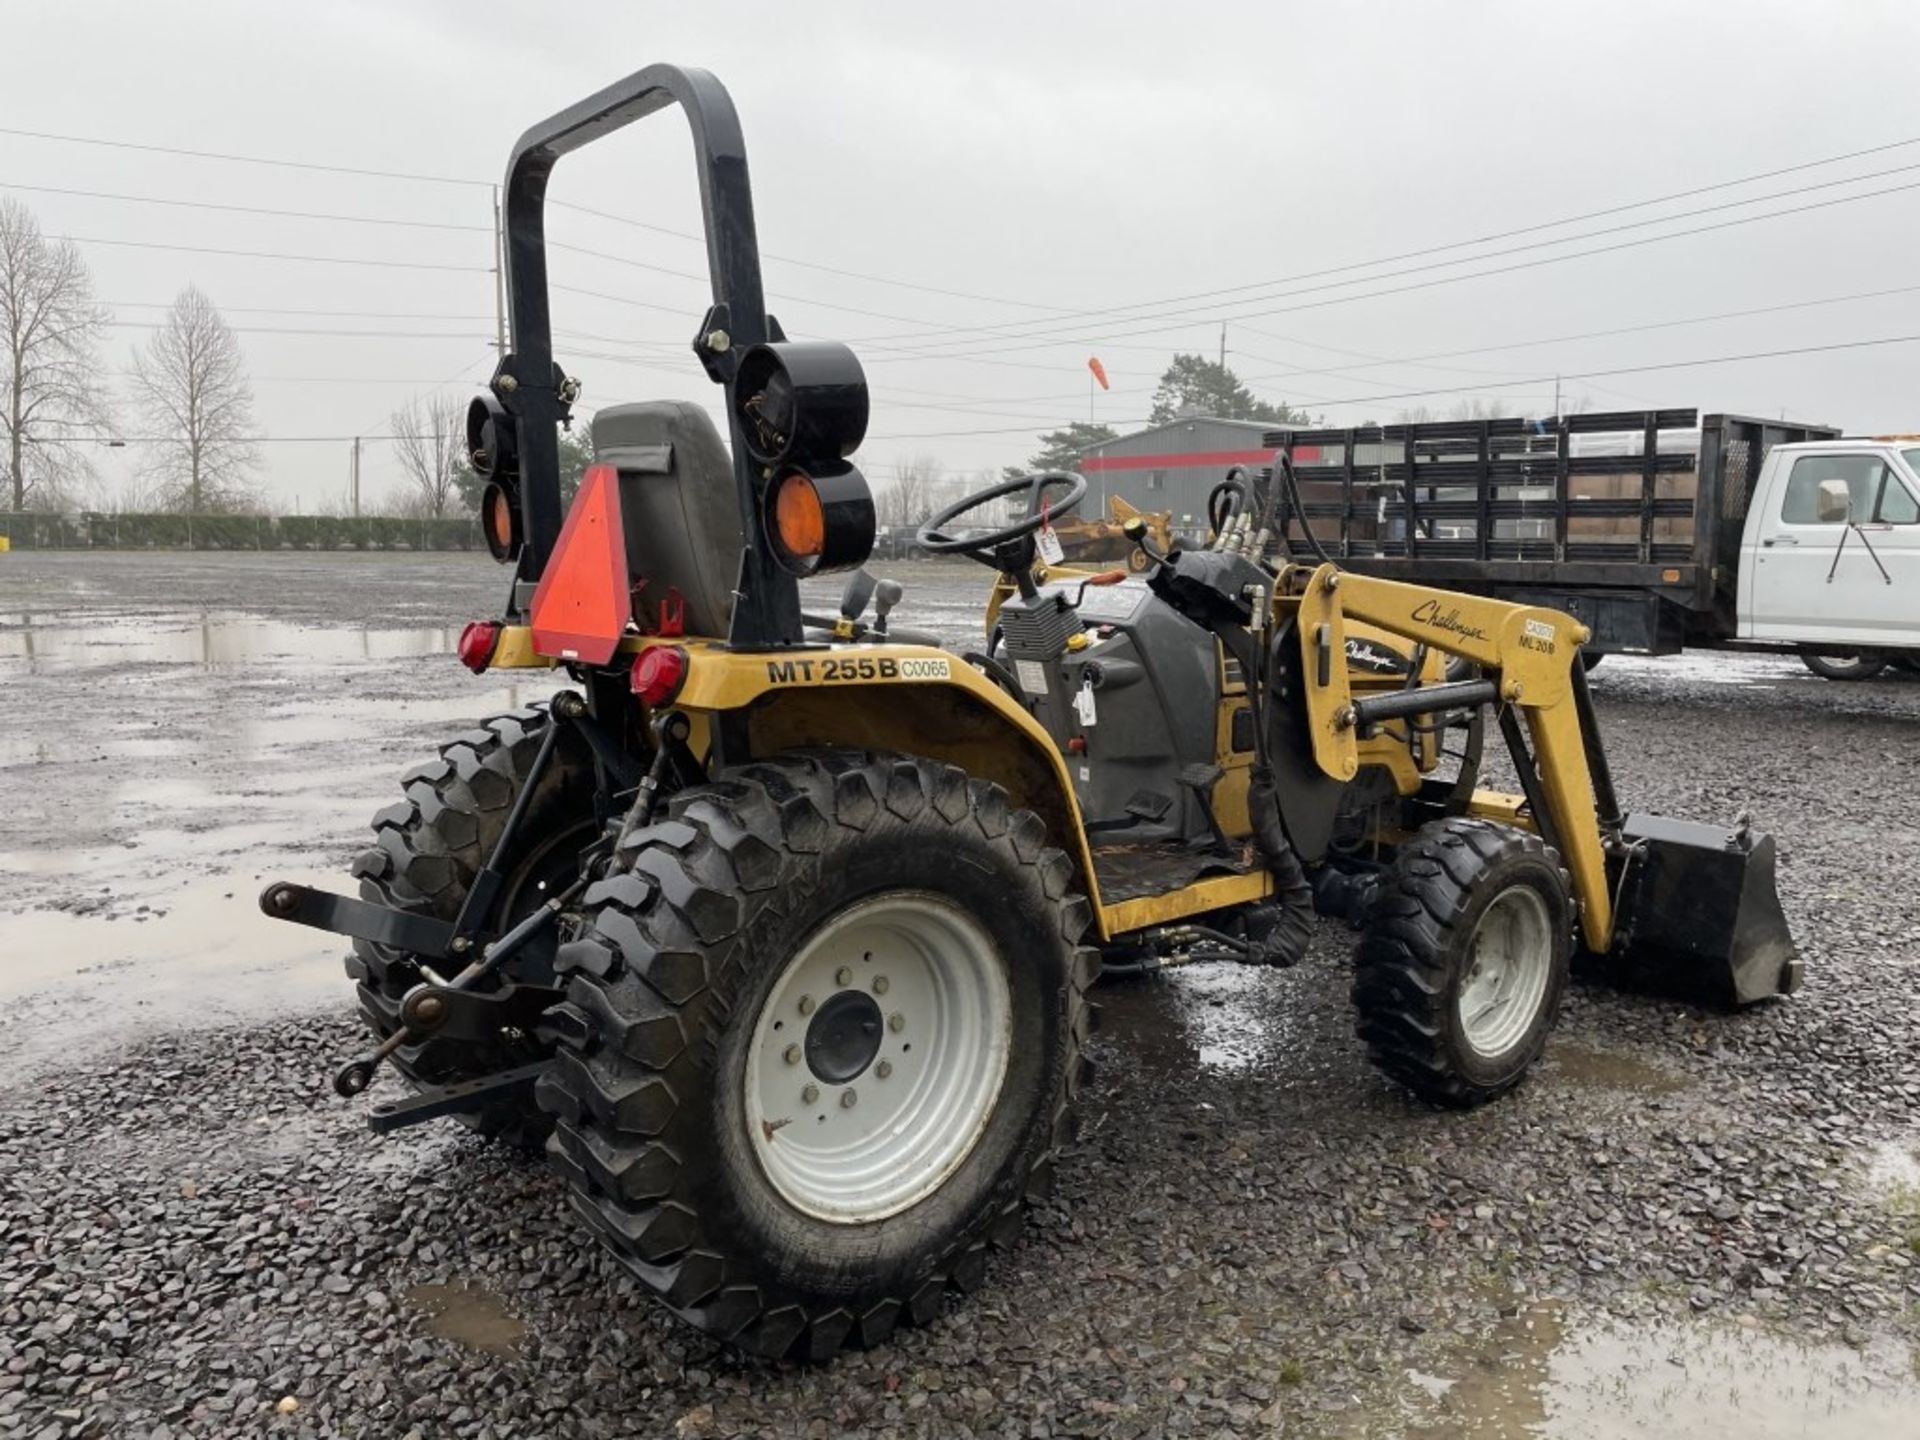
{"points": [[843, 977], [896, 1022], [810, 1094], [792, 1055], [883, 1069], [806, 1004], [880, 984], [848, 1099]]}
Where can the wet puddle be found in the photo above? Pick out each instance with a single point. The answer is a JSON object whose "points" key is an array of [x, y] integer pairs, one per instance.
{"points": [[197, 954], [215, 639], [1540, 1377], [1223, 1017], [1585, 1067], [1708, 668], [1894, 1167], [469, 1315]]}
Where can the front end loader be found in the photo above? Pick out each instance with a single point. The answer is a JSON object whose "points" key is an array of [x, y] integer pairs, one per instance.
{"points": [[777, 930]]}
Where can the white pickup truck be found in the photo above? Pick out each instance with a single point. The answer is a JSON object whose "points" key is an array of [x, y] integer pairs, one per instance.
{"points": [[1831, 555]]}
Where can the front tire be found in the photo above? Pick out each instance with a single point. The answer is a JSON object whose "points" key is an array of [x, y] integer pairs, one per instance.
{"points": [[1845, 667], [823, 1036], [1461, 971]]}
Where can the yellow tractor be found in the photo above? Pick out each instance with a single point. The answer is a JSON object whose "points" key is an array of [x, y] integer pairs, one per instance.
{"points": [[1109, 540], [779, 930]]}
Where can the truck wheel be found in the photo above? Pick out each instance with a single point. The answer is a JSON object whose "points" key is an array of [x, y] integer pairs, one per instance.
{"points": [[428, 847], [1464, 961], [1846, 667], [823, 1038]]}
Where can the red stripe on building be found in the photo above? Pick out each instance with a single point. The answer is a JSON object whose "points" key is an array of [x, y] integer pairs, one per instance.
{"points": [[1190, 459]]}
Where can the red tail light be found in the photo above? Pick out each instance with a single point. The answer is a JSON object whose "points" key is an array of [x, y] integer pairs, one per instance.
{"points": [[477, 644], [658, 673]]}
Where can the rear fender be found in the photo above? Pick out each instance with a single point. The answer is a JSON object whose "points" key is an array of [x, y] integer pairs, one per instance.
{"points": [[911, 699]]}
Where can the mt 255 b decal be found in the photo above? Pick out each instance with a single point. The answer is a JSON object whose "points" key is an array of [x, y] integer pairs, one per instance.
{"points": [[838, 669]]}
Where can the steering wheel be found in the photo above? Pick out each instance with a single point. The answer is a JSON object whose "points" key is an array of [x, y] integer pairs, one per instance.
{"points": [[1012, 547]]}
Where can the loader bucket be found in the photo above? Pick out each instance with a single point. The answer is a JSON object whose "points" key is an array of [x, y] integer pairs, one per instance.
{"points": [[1699, 916]]}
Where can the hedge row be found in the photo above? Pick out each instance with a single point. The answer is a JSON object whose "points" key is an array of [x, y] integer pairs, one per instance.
{"points": [[236, 532]]}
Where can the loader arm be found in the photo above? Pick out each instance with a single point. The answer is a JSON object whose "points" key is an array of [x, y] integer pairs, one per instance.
{"points": [[1531, 654]]}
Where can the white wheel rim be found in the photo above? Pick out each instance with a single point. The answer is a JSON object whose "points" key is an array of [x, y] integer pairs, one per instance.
{"points": [[855, 1148], [1509, 961]]}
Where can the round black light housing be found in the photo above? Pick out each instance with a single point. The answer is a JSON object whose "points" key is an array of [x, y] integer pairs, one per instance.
{"points": [[819, 521], [500, 521], [493, 442], [801, 402]]}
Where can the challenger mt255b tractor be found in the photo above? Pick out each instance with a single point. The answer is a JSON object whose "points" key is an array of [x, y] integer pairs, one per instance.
{"points": [[779, 930]]}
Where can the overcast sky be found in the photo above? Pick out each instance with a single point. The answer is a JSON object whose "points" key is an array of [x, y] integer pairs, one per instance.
{"points": [[1047, 161]]}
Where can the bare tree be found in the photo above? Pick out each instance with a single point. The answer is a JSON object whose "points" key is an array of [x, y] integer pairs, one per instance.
{"points": [[49, 373], [430, 443], [191, 383], [907, 498]]}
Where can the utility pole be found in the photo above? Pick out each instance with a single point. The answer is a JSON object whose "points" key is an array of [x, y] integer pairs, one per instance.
{"points": [[1223, 345], [356, 478], [1556, 396], [499, 278]]}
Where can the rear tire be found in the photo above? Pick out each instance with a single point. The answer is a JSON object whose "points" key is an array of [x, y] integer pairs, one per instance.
{"points": [[1848, 667], [1460, 973], [828, 1223], [427, 849]]}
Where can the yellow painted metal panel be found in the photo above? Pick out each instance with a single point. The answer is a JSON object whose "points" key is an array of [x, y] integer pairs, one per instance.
{"points": [[1213, 893]]}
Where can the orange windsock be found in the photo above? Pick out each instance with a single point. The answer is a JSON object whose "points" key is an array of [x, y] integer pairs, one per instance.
{"points": [[1099, 371]]}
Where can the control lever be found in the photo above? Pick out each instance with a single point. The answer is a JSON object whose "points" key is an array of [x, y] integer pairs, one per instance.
{"points": [[886, 595], [1134, 527], [853, 602]]}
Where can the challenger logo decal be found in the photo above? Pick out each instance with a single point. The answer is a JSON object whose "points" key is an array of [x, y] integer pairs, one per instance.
{"points": [[1428, 612], [1366, 656]]}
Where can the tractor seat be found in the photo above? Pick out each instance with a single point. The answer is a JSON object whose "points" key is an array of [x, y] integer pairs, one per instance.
{"points": [[678, 508]]}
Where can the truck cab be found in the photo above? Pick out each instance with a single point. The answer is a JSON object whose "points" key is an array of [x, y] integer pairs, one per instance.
{"points": [[1831, 551]]}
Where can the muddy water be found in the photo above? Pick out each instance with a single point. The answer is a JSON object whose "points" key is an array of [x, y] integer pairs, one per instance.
{"points": [[165, 763], [469, 1315], [1543, 1374]]}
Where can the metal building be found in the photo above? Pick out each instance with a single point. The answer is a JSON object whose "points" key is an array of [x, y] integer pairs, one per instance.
{"points": [[1172, 466]]}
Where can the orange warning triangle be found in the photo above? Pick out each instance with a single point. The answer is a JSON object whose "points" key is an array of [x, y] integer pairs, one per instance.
{"points": [[581, 606]]}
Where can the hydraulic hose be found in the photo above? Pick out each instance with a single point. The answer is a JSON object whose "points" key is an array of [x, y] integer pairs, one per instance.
{"points": [[1286, 941]]}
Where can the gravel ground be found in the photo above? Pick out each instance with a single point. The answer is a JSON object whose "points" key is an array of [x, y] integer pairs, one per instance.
{"points": [[1685, 1223]]}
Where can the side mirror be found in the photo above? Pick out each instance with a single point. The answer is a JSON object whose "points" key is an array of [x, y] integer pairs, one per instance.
{"points": [[1834, 503]]}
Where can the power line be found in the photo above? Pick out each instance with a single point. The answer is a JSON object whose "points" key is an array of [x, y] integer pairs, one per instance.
{"points": [[280, 255], [241, 159], [703, 280], [812, 264], [1120, 315], [248, 209], [1374, 360], [283, 310], [913, 355], [458, 180], [299, 330], [1519, 381]]}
